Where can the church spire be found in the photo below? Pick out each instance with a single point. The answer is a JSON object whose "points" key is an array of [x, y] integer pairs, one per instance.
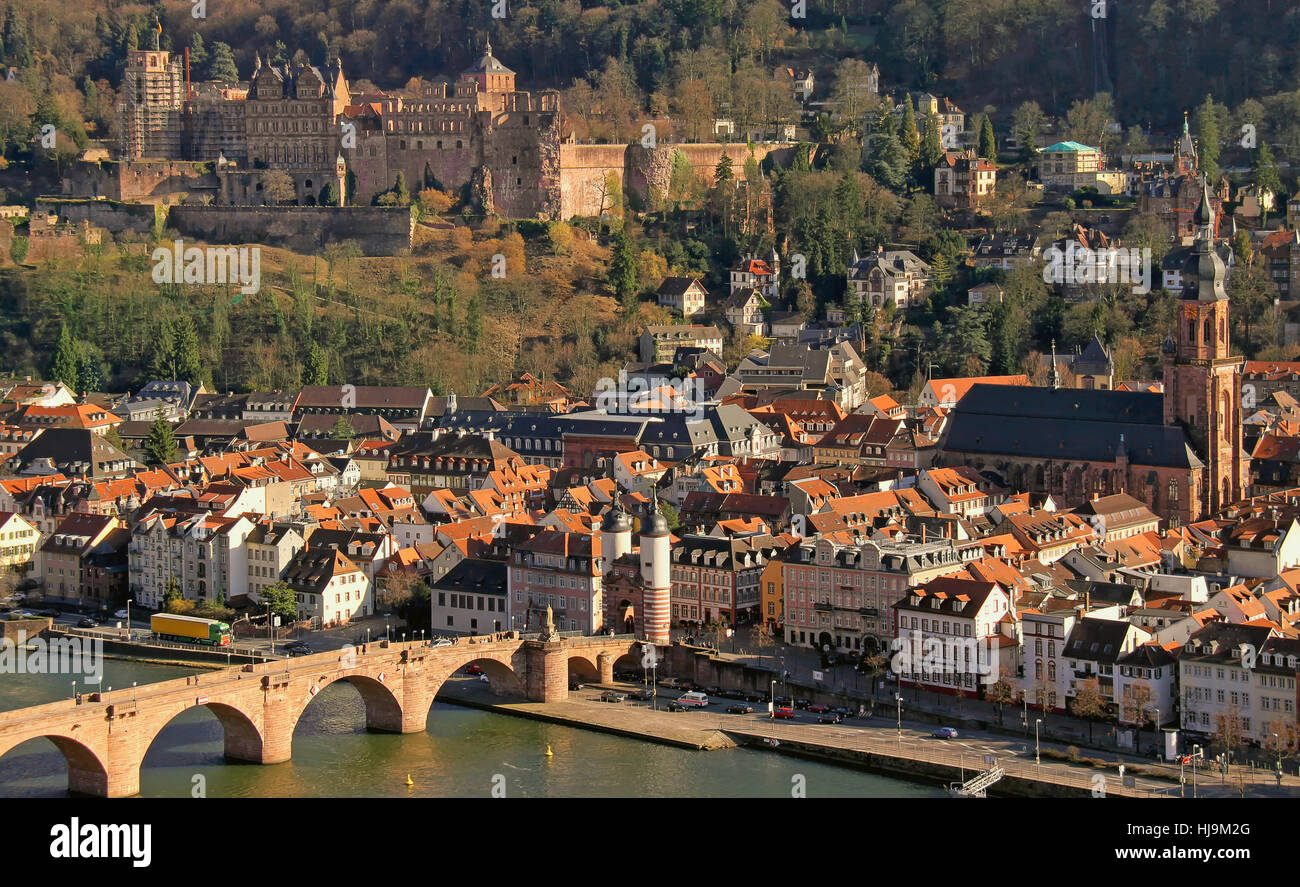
{"points": [[1056, 373]]}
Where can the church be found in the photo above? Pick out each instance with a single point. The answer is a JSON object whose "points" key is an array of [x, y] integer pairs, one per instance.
{"points": [[1180, 452]]}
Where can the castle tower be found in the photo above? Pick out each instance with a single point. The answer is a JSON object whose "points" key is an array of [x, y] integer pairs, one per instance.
{"points": [[490, 74], [656, 566], [1203, 379], [153, 94]]}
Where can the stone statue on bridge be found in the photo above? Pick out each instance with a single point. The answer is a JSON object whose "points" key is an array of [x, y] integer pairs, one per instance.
{"points": [[549, 631]]}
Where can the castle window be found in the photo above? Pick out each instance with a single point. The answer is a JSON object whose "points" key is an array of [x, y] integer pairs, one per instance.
{"points": [[419, 145], [439, 144], [458, 143]]}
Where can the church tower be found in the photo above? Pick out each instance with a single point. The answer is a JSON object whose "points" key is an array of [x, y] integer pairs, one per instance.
{"points": [[1203, 379]]}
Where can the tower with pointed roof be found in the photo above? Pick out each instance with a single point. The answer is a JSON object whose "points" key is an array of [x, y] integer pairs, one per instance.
{"points": [[1202, 377]]}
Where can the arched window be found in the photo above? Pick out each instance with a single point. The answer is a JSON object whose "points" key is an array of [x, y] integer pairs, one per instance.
{"points": [[1051, 671], [1038, 670]]}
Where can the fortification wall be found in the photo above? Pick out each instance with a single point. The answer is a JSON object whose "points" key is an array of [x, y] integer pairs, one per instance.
{"points": [[646, 171], [142, 181], [583, 172], [377, 230], [109, 214]]}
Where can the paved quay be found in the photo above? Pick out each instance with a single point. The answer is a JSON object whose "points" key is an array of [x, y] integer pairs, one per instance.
{"points": [[871, 744]]}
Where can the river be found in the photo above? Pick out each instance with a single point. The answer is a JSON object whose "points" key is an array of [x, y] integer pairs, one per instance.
{"points": [[463, 753]]}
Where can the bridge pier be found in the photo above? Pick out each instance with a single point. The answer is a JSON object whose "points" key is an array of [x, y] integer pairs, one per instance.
{"points": [[605, 661], [547, 664], [278, 721]]}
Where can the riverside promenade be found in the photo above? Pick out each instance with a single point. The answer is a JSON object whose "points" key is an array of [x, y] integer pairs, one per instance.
{"points": [[876, 744]]}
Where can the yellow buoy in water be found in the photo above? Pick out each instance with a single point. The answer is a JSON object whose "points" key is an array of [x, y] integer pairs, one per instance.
{"points": [[409, 781], [549, 753]]}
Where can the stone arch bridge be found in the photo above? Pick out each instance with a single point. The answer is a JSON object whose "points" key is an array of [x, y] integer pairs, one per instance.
{"points": [[105, 736]]}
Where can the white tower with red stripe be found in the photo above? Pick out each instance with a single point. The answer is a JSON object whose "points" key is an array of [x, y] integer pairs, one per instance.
{"points": [[656, 567]]}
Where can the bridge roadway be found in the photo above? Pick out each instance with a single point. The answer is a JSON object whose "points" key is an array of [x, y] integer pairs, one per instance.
{"points": [[104, 736]]}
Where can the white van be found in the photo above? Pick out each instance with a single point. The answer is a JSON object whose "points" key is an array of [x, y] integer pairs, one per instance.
{"points": [[699, 700]]}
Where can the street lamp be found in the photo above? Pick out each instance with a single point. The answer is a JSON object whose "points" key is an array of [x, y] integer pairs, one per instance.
{"points": [[130, 635], [898, 697], [1038, 759], [771, 708]]}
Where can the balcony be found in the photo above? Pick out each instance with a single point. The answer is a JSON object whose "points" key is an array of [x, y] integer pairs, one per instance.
{"points": [[823, 606]]}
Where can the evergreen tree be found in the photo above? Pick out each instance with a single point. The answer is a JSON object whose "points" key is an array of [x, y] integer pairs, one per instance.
{"points": [[161, 442], [65, 366], [89, 375], [1207, 130], [722, 172], [988, 141], [622, 269], [172, 593], [221, 64], [163, 359], [188, 366], [198, 53], [400, 192], [342, 429], [315, 369], [931, 146], [909, 137]]}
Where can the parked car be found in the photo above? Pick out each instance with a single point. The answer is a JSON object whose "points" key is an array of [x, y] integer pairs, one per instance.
{"points": [[783, 713], [752, 696], [574, 685], [611, 696], [944, 733], [688, 686], [120, 614], [642, 695], [829, 717], [303, 650], [714, 691], [782, 700], [86, 622], [676, 706], [740, 708], [53, 614], [844, 711], [801, 703], [818, 708], [442, 642], [671, 683]]}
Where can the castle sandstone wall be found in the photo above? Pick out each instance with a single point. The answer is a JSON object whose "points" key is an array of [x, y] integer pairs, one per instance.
{"points": [[377, 230], [108, 214], [645, 171]]}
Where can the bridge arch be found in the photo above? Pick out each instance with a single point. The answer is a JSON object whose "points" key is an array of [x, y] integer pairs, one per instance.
{"points": [[383, 708], [241, 736], [583, 668], [502, 675], [86, 771]]}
